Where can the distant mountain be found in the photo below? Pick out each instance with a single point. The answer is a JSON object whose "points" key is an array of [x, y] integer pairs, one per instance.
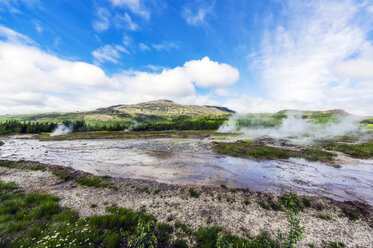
{"points": [[334, 112], [167, 107], [159, 110]]}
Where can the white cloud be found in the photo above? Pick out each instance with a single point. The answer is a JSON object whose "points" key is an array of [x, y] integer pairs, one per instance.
{"points": [[108, 53], [127, 21], [32, 80], [165, 46], [304, 56], [13, 36], [196, 17], [136, 6], [102, 21], [144, 47], [13, 5], [206, 73]]}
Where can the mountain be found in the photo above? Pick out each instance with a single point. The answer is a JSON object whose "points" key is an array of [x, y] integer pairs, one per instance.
{"points": [[159, 110], [167, 107], [334, 112]]}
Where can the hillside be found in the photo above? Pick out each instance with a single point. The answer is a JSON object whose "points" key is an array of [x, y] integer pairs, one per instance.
{"points": [[334, 112], [167, 107], [160, 110]]}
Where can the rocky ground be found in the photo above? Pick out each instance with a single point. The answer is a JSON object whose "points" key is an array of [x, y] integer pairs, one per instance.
{"points": [[236, 210]]}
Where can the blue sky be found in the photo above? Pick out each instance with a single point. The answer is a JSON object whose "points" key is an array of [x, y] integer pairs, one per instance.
{"points": [[252, 56]]}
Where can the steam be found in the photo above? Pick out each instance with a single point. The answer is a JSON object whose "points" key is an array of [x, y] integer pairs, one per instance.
{"points": [[293, 128], [132, 127], [61, 130]]}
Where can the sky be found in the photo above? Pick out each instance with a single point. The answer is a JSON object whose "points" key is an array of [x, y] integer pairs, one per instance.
{"points": [[250, 56]]}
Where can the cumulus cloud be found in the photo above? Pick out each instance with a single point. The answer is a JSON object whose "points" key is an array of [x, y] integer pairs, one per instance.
{"points": [[305, 55], [206, 73], [33, 80]]}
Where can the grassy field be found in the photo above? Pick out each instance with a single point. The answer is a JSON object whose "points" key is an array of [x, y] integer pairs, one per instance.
{"points": [[362, 151], [259, 150], [136, 135]]}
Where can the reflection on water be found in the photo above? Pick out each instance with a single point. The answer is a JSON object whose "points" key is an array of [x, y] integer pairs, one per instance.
{"points": [[187, 161]]}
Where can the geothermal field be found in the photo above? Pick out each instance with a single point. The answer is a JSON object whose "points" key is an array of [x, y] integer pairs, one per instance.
{"points": [[249, 179]]}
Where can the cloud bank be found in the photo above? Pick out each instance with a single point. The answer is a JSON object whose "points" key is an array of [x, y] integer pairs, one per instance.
{"points": [[33, 80], [314, 55]]}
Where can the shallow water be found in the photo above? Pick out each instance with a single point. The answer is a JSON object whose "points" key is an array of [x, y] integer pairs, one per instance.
{"points": [[188, 161]]}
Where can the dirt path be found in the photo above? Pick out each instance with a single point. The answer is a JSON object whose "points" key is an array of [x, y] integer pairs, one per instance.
{"points": [[173, 203]]}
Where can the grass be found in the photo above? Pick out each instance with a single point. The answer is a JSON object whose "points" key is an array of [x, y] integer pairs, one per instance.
{"points": [[259, 150], [263, 204], [36, 220], [362, 151], [94, 181], [193, 193], [61, 174], [22, 165], [351, 214], [324, 216], [134, 135], [333, 245]]}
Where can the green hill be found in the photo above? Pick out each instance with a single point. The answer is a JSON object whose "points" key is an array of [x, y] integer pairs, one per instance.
{"points": [[161, 110]]}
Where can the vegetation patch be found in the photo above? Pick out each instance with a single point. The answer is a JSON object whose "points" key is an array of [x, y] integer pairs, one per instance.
{"points": [[61, 174], [95, 181], [37, 220], [194, 193], [1, 143], [363, 151], [351, 214], [259, 150]]}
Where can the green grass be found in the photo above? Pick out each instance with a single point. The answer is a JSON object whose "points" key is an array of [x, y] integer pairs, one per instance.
{"points": [[259, 150], [292, 202], [351, 214], [193, 193], [133, 135], [94, 181], [22, 165], [263, 204], [363, 151], [324, 216], [37, 220], [61, 174]]}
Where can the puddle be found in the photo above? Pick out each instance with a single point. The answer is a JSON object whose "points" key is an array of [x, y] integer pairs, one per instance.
{"points": [[187, 161]]}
